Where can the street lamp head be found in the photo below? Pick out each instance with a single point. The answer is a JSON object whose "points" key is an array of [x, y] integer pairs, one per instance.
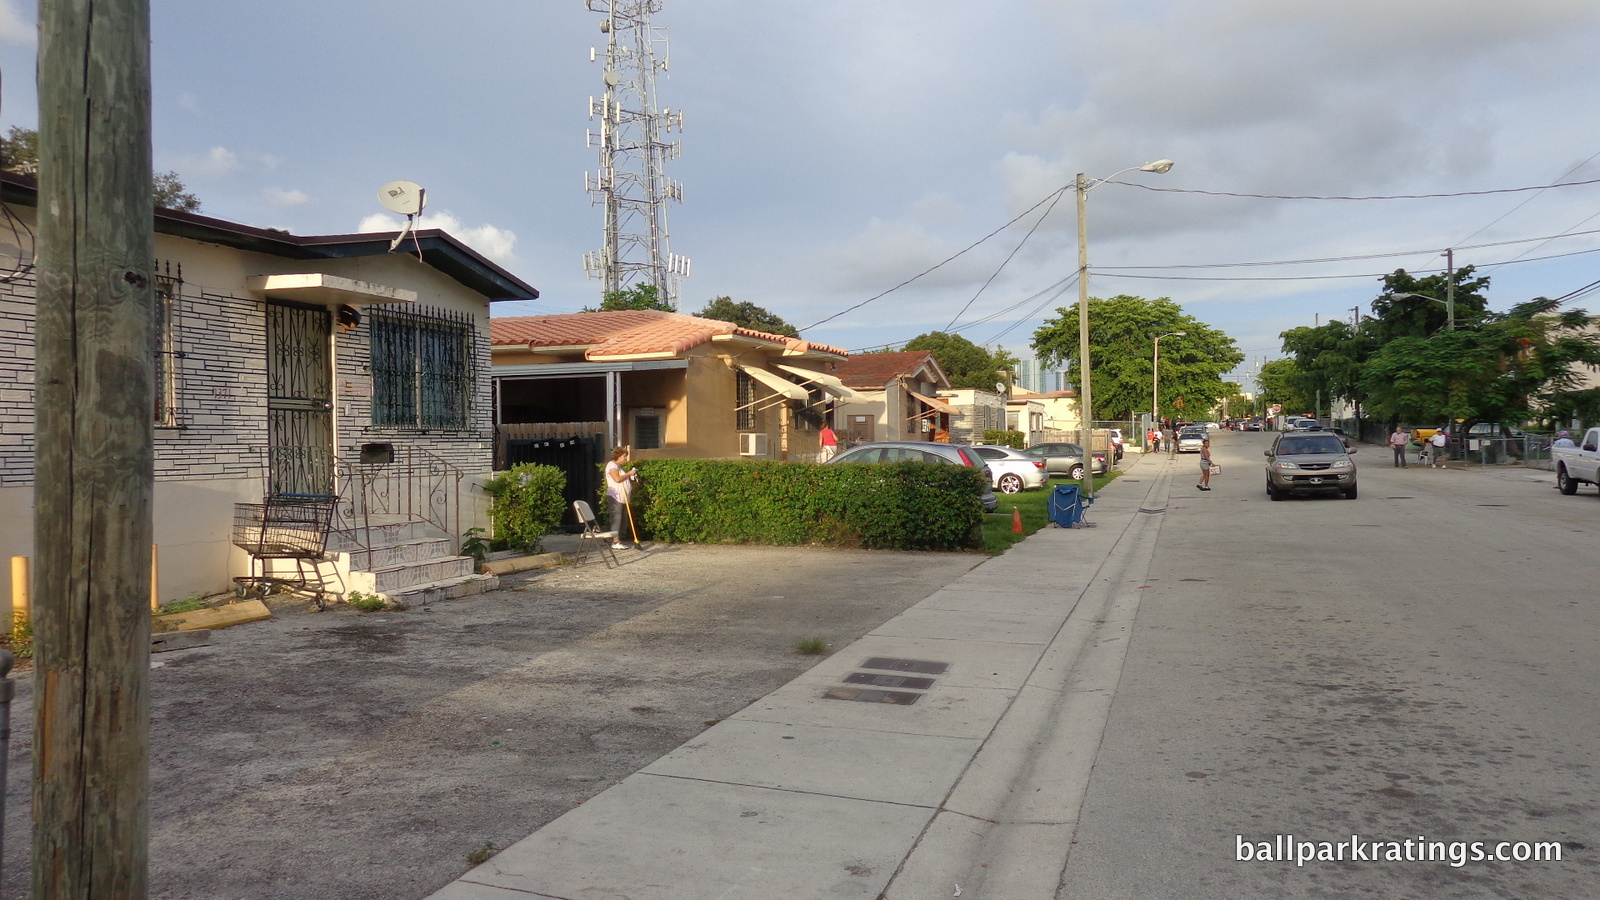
{"points": [[1160, 166]]}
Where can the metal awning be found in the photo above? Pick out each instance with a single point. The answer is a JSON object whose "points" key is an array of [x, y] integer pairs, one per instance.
{"points": [[787, 388], [829, 383], [936, 405]]}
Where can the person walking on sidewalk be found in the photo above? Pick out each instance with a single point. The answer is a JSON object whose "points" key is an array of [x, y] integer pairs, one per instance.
{"points": [[1398, 442], [619, 487], [1440, 449], [1205, 465]]}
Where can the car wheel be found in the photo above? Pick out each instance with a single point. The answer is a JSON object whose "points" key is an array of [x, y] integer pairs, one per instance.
{"points": [[1351, 493], [1077, 473], [1273, 494], [1565, 482], [1010, 484]]}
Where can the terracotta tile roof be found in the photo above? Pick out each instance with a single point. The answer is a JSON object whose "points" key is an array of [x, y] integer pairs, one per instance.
{"points": [[874, 370], [630, 332]]}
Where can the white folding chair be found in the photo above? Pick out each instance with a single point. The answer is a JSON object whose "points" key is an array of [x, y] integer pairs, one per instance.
{"points": [[592, 537]]}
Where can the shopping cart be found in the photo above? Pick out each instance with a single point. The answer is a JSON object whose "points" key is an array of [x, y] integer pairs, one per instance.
{"points": [[284, 527]]}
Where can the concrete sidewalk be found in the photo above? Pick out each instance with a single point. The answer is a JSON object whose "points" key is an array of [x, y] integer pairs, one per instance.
{"points": [[946, 751]]}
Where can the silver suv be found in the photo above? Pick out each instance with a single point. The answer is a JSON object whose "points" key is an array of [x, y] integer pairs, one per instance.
{"points": [[1310, 463]]}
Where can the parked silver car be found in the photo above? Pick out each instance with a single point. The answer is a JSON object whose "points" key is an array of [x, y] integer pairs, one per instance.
{"points": [[1065, 459], [1310, 463], [922, 451], [1013, 470], [1190, 438]]}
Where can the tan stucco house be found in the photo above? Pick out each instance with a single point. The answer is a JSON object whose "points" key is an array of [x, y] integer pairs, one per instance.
{"points": [[898, 398], [665, 384]]}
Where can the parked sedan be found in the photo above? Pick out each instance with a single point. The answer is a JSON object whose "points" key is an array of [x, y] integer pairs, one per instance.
{"points": [[1065, 459], [922, 451], [1013, 470]]}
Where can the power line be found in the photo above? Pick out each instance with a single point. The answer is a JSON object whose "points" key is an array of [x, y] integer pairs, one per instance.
{"points": [[1541, 187], [1007, 260], [947, 260]]}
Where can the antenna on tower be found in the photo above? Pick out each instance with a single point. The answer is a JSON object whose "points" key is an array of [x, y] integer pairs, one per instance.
{"points": [[631, 185]]}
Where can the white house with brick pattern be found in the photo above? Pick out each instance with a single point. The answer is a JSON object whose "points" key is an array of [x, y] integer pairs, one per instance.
{"points": [[306, 367]]}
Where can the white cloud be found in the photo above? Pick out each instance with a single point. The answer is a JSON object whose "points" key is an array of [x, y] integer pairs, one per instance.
{"points": [[284, 199], [15, 28], [498, 244]]}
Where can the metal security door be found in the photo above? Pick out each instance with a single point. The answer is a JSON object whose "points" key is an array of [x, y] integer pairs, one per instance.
{"points": [[299, 401]]}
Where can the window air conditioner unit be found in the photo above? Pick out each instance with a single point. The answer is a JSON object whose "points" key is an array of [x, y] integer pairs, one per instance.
{"points": [[752, 443]]}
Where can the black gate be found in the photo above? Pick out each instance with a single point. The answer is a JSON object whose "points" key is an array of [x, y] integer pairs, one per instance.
{"points": [[299, 401], [580, 457]]}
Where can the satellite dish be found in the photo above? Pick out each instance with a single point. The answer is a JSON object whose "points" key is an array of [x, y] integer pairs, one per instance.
{"points": [[610, 78], [406, 198], [1000, 387]]}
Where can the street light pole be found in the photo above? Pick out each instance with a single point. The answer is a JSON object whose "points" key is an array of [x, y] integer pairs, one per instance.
{"points": [[1085, 406], [1155, 376]]}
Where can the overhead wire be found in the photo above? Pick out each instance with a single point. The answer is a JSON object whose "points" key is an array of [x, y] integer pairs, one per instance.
{"points": [[938, 265], [1007, 260]]}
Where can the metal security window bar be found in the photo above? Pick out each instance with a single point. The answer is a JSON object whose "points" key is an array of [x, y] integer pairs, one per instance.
{"points": [[746, 414], [423, 362], [164, 341]]}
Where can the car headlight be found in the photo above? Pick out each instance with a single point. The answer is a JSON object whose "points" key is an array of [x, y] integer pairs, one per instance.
{"points": [[1342, 466], [1281, 464]]}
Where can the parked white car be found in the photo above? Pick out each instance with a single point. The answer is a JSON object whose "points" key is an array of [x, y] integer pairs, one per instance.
{"points": [[1013, 471]]}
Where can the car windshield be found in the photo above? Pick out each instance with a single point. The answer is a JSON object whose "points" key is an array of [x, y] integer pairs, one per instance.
{"points": [[1311, 443]]}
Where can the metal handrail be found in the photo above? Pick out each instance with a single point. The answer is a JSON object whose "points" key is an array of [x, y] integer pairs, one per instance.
{"points": [[416, 485]]}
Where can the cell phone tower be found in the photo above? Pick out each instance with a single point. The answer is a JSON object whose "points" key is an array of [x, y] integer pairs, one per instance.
{"points": [[632, 185]]}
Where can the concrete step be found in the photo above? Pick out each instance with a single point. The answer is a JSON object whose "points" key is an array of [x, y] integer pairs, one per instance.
{"points": [[412, 551], [386, 534], [406, 576], [450, 589]]}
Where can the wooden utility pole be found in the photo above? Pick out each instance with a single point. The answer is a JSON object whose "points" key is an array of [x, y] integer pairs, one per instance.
{"points": [[94, 411]]}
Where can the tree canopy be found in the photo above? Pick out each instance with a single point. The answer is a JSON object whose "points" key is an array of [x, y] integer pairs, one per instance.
{"points": [[747, 315], [966, 364], [1405, 364], [19, 152], [1122, 330], [638, 296]]}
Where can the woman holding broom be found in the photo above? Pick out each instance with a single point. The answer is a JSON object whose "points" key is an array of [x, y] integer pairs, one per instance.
{"points": [[619, 485]]}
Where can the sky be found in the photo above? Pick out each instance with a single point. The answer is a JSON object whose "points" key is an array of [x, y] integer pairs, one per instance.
{"points": [[835, 149]]}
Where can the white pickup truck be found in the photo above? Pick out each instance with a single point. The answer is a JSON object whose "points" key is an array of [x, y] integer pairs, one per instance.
{"points": [[1578, 465]]}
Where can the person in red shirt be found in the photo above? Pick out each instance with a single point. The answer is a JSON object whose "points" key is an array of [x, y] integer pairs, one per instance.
{"points": [[830, 443]]}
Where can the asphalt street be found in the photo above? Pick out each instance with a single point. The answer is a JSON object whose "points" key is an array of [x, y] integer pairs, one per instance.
{"points": [[1418, 664]]}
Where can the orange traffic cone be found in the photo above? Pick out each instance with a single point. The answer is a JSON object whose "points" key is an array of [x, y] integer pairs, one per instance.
{"points": [[1016, 520]]}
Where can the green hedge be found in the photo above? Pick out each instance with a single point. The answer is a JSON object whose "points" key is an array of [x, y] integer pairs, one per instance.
{"points": [[892, 506], [528, 504], [1016, 440]]}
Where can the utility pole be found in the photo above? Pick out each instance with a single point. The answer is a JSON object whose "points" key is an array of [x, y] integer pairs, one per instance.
{"points": [[631, 185], [1450, 289], [94, 404]]}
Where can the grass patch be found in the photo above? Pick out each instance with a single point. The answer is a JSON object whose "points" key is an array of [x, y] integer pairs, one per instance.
{"points": [[483, 854], [1035, 509], [367, 603], [811, 647], [194, 602]]}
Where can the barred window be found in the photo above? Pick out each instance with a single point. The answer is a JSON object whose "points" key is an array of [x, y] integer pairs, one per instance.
{"points": [[746, 398], [164, 344], [423, 365]]}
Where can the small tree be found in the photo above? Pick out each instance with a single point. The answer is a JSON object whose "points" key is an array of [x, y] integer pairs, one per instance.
{"points": [[19, 152]]}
